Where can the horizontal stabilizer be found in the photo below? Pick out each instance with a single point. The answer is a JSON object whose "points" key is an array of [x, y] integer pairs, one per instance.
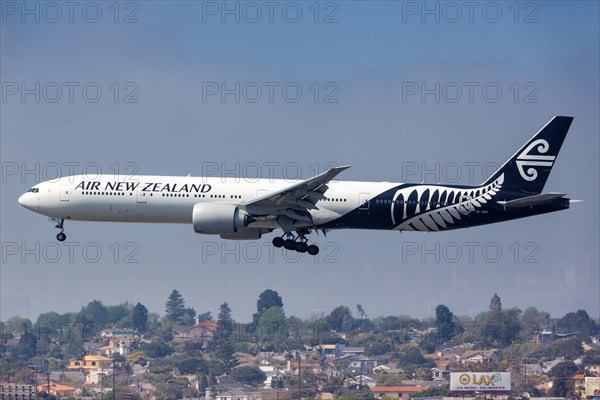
{"points": [[529, 201]]}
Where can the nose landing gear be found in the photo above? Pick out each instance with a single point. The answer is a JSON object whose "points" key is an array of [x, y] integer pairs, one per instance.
{"points": [[61, 235]]}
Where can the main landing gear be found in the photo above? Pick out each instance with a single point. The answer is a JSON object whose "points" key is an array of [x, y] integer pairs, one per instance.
{"points": [[61, 235], [296, 243]]}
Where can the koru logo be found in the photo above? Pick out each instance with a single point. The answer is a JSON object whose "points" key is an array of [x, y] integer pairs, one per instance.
{"points": [[533, 161]]}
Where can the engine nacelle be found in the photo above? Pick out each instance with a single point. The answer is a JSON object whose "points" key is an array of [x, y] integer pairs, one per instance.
{"points": [[218, 218]]}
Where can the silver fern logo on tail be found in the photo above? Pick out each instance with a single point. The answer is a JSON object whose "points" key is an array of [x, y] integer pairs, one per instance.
{"points": [[532, 161], [454, 205]]}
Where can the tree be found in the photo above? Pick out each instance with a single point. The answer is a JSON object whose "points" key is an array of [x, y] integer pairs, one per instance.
{"points": [[577, 322], [250, 375], [189, 316], [157, 349], [207, 316], [95, 312], [562, 374], [139, 317], [175, 306], [446, 328], [118, 314], [411, 358], [267, 299], [225, 324], [495, 304], [271, 326], [361, 312], [190, 366], [225, 354], [340, 318]]}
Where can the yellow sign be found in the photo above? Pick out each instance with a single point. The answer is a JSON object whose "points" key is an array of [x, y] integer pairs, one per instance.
{"points": [[592, 386], [485, 381]]}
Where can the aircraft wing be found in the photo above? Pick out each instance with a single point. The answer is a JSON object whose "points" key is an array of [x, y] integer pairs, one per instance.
{"points": [[531, 200], [293, 202]]}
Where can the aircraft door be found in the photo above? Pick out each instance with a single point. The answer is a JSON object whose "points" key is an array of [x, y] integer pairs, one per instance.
{"points": [[64, 193], [141, 197], [466, 205], [364, 200]]}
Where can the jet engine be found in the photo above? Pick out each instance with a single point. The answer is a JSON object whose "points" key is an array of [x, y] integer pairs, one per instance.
{"points": [[218, 218]]}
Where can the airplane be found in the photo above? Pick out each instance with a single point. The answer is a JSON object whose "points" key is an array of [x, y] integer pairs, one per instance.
{"points": [[241, 210]]}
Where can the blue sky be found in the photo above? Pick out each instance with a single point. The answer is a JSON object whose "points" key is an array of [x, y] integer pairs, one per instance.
{"points": [[545, 60]]}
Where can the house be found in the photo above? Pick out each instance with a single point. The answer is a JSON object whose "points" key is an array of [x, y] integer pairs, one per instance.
{"points": [[230, 392], [442, 359], [331, 350], [20, 391], [593, 369], [400, 392], [533, 369], [113, 333], [201, 332], [438, 374], [94, 376], [56, 389], [270, 372], [368, 364], [548, 365], [90, 362], [386, 369], [353, 351], [73, 377], [361, 380], [479, 356], [118, 346]]}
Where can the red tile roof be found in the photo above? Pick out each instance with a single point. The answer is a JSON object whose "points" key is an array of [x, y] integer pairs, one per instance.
{"points": [[399, 389]]}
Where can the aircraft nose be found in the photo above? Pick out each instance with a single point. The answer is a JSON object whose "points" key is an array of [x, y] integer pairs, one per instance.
{"points": [[26, 201]]}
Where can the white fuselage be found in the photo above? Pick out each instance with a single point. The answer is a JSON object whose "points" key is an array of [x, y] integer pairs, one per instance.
{"points": [[170, 199]]}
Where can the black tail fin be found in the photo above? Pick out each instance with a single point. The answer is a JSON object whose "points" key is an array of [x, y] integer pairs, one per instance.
{"points": [[527, 171]]}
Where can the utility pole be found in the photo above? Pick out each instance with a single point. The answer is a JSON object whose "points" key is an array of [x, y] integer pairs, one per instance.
{"points": [[299, 378], [48, 375], [113, 379]]}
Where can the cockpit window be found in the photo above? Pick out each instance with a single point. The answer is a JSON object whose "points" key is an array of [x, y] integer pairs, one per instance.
{"points": [[34, 190]]}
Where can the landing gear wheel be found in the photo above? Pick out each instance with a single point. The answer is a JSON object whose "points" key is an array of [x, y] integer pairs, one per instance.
{"points": [[278, 241], [289, 244], [313, 250], [301, 247], [61, 237]]}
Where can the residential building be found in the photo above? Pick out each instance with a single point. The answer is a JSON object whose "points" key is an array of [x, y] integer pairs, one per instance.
{"points": [[90, 362], [16, 391], [400, 392], [479, 356], [361, 380], [57, 389], [202, 332], [112, 333], [442, 359]]}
